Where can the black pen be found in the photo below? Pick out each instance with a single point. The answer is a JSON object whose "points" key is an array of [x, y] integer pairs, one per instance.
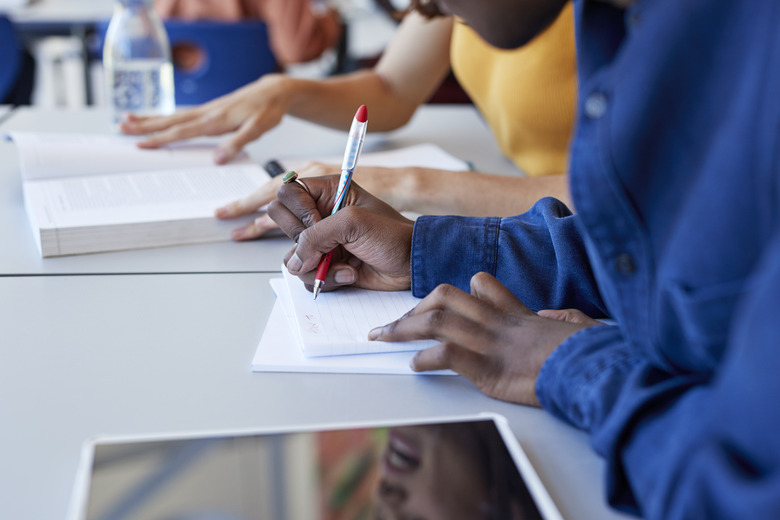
{"points": [[274, 168]]}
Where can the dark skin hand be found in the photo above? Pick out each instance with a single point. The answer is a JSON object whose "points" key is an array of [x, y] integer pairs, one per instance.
{"points": [[488, 336], [372, 241]]}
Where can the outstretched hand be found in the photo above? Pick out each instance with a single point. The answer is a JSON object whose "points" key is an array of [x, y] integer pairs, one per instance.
{"points": [[249, 112], [488, 336], [383, 182], [371, 241]]}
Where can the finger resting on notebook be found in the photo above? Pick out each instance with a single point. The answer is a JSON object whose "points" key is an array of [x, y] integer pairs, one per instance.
{"points": [[443, 306], [441, 324]]}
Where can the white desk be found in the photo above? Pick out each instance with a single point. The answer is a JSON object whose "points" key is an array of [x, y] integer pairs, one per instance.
{"points": [[6, 111], [144, 353], [65, 12], [86, 355], [457, 129]]}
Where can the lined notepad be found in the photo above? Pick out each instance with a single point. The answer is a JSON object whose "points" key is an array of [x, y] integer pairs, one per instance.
{"points": [[279, 349], [337, 323]]}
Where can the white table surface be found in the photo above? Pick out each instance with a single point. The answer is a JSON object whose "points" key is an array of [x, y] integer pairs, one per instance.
{"points": [[139, 354], [457, 129], [62, 11]]}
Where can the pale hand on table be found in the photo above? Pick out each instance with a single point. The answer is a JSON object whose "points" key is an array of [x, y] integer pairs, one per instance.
{"points": [[249, 111], [488, 336], [372, 241], [385, 182]]}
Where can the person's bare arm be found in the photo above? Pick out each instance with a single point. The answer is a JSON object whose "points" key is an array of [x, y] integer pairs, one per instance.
{"points": [[443, 192], [411, 68], [409, 71], [418, 190]]}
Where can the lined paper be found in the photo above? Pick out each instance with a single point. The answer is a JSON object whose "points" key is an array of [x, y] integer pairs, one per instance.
{"points": [[337, 323], [279, 350]]}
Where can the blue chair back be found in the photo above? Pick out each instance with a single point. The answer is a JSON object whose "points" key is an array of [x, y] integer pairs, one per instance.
{"points": [[232, 55], [10, 57]]}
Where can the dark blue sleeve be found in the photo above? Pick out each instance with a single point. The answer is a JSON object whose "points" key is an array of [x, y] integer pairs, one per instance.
{"points": [[538, 255], [682, 446]]}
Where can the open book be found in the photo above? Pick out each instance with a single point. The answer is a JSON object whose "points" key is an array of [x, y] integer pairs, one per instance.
{"points": [[93, 193]]}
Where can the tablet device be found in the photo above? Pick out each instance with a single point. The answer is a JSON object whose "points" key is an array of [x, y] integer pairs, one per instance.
{"points": [[468, 467]]}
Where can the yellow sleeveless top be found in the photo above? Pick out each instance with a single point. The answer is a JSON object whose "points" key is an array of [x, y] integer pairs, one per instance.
{"points": [[526, 95]]}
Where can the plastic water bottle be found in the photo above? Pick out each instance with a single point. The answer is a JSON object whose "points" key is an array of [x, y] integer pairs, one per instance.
{"points": [[137, 62]]}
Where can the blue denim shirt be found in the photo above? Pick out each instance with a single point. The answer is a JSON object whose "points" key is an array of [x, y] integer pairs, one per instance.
{"points": [[675, 174]]}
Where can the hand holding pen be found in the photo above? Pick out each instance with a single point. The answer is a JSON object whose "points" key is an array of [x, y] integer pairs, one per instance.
{"points": [[374, 239], [357, 133]]}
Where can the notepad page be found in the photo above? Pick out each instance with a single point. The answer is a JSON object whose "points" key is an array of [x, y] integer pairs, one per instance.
{"points": [[278, 349], [337, 323]]}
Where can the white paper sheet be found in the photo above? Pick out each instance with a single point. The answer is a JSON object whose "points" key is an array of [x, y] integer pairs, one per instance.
{"points": [[337, 323], [279, 351]]}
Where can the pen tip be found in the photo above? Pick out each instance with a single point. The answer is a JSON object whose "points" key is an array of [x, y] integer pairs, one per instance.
{"points": [[317, 286], [362, 114]]}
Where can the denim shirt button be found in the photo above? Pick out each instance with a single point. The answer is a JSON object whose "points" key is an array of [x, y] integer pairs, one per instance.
{"points": [[596, 105], [624, 264]]}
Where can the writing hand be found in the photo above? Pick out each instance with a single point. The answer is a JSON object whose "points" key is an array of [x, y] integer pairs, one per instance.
{"points": [[249, 111], [372, 241], [488, 336]]}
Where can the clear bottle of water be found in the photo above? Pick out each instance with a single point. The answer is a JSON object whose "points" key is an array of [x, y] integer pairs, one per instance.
{"points": [[137, 62]]}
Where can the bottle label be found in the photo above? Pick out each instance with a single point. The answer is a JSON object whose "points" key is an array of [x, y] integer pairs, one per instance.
{"points": [[142, 86]]}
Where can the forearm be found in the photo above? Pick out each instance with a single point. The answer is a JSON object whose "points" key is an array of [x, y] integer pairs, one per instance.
{"points": [[410, 70], [332, 102], [467, 193]]}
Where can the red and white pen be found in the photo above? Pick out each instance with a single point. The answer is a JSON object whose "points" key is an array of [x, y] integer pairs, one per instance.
{"points": [[357, 133]]}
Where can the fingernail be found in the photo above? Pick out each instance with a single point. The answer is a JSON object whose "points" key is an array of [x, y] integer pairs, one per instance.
{"points": [[238, 234], [413, 363], [219, 156], [344, 276], [294, 264], [374, 334], [221, 212]]}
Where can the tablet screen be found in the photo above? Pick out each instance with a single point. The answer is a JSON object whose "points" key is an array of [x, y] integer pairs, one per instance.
{"points": [[450, 470]]}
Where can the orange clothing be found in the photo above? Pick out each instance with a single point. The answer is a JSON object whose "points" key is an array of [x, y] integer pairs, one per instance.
{"points": [[527, 95], [296, 32]]}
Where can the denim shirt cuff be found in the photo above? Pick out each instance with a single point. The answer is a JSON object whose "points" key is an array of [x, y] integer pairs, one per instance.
{"points": [[575, 381], [452, 250]]}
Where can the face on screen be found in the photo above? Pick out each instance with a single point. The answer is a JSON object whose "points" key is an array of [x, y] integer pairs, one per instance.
{"points": [[449, 471], [431, 472], [417, 472]]}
